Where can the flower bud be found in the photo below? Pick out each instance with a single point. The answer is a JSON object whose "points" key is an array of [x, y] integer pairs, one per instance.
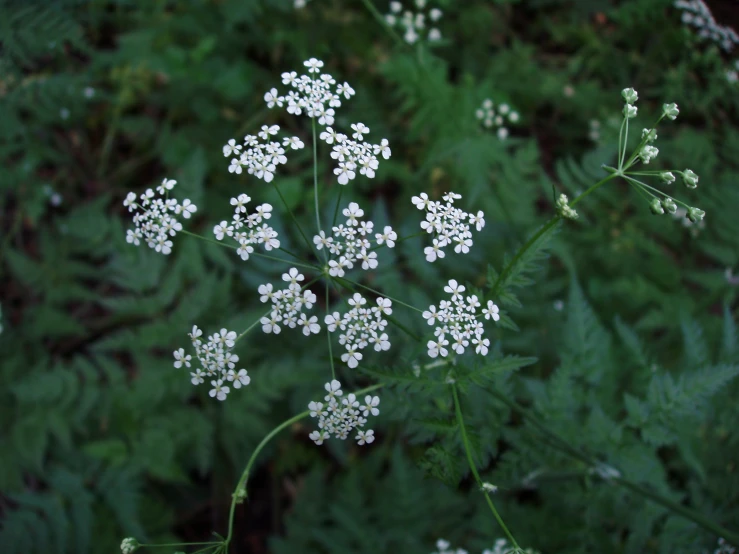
{"points": [[695, 214], [649, 134], [629, 111], [648, 153], [669, 205], [667, 177], [670, 110], [630, 95], [129, 545], [656, 207], [690, 178]]}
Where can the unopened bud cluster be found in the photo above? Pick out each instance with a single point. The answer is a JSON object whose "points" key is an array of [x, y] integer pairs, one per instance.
{"points": [[564, 209]]}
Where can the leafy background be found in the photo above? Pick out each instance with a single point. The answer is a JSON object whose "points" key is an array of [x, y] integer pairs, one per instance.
{"points": [[627, 324]]}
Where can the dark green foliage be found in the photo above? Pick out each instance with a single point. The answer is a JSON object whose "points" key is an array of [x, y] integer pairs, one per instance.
{"points": [[618, 332]]}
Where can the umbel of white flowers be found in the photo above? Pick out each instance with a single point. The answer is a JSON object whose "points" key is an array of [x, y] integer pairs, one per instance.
{"points": [[414, 23], [338, 417], [492, 120]]}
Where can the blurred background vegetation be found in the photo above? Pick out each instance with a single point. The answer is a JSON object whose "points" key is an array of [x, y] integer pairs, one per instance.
{"points": [[630, 318]]}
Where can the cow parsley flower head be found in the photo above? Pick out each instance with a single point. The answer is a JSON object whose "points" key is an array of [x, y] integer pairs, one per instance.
{"points": [[497, 121], [351, 242], [456, 323], [339, 415], [262, 154], [315, 94], [217, 362], [696, 14], [248, 230], [288, 305], [154, 218], [353, 155], [361, 327], [447, 224], [416, 25]]}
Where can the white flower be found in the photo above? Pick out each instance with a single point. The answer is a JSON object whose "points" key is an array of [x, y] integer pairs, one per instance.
{"points": [[239, 379], [313, 65], [293, 276], [481, 346], [197, 377], [491, 311], [309, 325], [370, 406], [352, 212], [294, 142], [334, 389], [454, 288], [272, 98], [218, 391], [223, 229], [345, 90], [365, 437], [181, 358], [360, 129]]}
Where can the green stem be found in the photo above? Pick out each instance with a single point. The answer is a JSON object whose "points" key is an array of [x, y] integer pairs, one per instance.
{"points": [[473, 468], [561, 444], [328, 336], [315, 175], [378, 293], [258, 254], [378, 16], [241, 484], [292, 216], [179, 544], [338, 202]]}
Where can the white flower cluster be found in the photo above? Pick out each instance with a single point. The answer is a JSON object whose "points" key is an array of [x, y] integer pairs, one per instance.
{"points": [[350, 242], [449, 224], [340, 416], [300, 4], [352, 154], [255, 230], [486, 114], [288, 304], [216, 360], [360, 327], [129, 545], [724, 547], [458, 318], [153, 219], [260, 158], [413, 23], [697, 14], [732, 74], [501, 547], [314, 94]]}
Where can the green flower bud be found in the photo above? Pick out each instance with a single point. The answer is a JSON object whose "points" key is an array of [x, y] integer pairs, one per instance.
{"points": [[648, 153], [669, 205], [695, 214], [629, 111], [129, 545], [690, 178], [649, 134], [630, 95], [656, 207], [670, 110], [667, 177]]}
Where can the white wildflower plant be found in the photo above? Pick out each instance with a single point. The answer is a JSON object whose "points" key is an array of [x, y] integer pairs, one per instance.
{"points": [[248, 230], [362, 329], [501, 546], [697, 15], [339, 415], [497, 119], [417, 23], [155, 217], [351, 242], [457, 323], [450, 226]]}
